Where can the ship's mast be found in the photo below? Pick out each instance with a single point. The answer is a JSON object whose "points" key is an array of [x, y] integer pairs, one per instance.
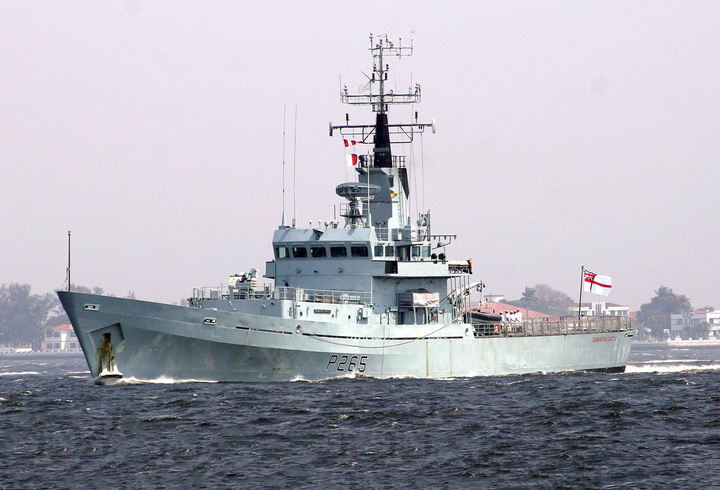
{"points": [[383, 153], [382, 134], [387, 208]]}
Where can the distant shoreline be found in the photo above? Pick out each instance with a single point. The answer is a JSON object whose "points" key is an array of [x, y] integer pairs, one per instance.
{"points": [[694, 343], [38, 355], [678, 343]]}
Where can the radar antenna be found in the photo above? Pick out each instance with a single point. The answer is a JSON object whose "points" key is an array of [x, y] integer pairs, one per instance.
{"points": [[356, 193]]}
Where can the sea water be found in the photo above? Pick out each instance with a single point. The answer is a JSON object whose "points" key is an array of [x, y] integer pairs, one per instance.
{"points": [[655, 426]]}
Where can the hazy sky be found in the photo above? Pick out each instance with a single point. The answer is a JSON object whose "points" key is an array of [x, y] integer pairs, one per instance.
{"points": [[569, 134]]}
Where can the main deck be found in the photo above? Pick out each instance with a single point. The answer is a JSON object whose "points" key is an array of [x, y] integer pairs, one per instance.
{"points": [[250, 298]]}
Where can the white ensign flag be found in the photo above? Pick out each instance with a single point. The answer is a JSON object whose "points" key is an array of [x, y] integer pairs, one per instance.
{"points": [[596, 284]]}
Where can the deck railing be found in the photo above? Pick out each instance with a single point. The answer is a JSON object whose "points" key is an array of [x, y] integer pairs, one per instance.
{"points": [[536, 327], [268, 291]]}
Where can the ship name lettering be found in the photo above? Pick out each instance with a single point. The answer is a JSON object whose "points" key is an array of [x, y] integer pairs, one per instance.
{"points": [[347, 363], [611, 338]]}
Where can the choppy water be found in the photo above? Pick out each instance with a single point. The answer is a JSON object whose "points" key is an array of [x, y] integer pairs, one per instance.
{"points": [[656, 426]]}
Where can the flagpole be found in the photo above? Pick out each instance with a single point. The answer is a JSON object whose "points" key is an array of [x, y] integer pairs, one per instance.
{"points": [[68, 266], [582, 277]]}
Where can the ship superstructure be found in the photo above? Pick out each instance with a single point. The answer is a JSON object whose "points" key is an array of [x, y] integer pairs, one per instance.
{"points": [[380, 253], [375, 294]]}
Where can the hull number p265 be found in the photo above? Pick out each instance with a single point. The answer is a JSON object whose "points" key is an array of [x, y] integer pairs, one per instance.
{"points": [[347, 363]]}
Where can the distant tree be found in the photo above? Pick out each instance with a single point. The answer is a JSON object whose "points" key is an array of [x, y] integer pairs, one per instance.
{"points": [[552, 301], [57, 319], [87, 290], [697, 330], [544, 299], [528, 300], [23, 316], [655, 315], [529, 297]]}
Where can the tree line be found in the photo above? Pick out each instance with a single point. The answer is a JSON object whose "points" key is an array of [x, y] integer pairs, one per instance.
{"points": [[26, 317]]}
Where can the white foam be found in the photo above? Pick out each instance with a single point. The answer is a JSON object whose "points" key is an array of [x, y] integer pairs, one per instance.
{"points": [[668, 369], [20, 373], [672, 360], [162, 380], [342, 375]]}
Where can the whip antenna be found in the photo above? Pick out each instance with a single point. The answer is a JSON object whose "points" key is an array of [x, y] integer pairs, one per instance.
{"points": [[283, 170]]}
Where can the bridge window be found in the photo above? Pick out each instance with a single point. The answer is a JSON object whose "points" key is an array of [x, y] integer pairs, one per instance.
{"points": [[318, 252], [338, 251], [299, 252], [420, 251], [389, 251], [359, 251], [282, 252], [378, 250]]}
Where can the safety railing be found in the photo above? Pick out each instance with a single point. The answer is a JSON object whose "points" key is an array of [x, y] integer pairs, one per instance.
{"points": [[536, 327], [268, 291], [365, 161]]}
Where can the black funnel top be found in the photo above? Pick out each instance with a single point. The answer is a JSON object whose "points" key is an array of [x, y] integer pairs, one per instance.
{"points": [[383, 157]]}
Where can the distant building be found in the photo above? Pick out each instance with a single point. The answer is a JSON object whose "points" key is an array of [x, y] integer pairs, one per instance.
{"points": [[61, 339], [678, 322], [497, 308], [599, 308], [15, 349]]}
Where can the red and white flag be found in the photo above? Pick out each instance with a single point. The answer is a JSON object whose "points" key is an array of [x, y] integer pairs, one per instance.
{"points": [[596, 284], [351, 158]]}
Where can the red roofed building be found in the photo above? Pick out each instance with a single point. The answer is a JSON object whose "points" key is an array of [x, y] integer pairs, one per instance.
{"points": [[61, 339], [497, 308]]}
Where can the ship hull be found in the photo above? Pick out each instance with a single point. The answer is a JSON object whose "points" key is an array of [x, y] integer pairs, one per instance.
{"points": [[150, 341]]}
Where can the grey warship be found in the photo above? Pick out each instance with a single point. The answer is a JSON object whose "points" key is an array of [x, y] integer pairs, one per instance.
{"points": [[375, 296]]}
